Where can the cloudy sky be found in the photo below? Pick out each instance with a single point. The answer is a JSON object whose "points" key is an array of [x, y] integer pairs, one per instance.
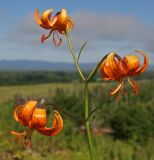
{"points": [[108, 25]]}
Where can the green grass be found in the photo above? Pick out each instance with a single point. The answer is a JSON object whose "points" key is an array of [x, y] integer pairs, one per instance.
{"points": [[38, 90], [71, 144]]}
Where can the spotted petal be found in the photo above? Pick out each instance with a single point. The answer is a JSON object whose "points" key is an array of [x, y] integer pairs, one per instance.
{"points": [[24, 114], [57, 126]]}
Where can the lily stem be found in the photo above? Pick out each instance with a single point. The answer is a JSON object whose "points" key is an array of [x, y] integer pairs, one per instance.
{"points": [[73, 55], [87, 122]]}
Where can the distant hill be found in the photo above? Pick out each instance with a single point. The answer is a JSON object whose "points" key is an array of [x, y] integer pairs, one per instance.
{"points": [[40, 65], [19, 65]]}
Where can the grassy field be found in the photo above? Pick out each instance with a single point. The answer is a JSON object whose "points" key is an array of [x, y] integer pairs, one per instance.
{"points": [[71, 143], [31, 90], [39, 90]]}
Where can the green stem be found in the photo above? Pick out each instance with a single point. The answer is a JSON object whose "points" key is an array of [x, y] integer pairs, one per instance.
{"points": [[87, 122], [57, 107], [73, 55]]}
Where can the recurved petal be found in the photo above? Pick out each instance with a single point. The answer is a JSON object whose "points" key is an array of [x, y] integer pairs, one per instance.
{"points": [[56, 128], [111, 67], [38, 119], [104, 74], [132, 62], [16, 112], [145, 64], [25, 114], [103, 70], [123, 67], [70, 24], [45, 18], [36, 17], [53, 21], [64, 21], [39, 20], [63, 14]]}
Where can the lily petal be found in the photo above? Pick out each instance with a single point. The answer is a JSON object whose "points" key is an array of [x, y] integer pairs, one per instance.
{"points": [[38, 119], [45, 18], [36, 17], [25, 114], [44, 21], [123, 67], [70, 24], [53, 21], [111, 67], [16, 112], [145, 64], [58, 23], [57, 126]]}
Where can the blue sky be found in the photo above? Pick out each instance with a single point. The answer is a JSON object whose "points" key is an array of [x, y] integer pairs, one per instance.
{"points": [[108, 25]]}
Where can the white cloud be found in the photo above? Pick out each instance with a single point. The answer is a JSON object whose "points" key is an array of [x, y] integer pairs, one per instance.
{"points": [[105, 32], [112, 27]]}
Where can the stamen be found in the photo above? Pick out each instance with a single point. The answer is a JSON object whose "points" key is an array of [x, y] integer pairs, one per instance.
{"points": [[134, 85], [18, 136], [114, 91], [122, 89], [44, 37], [27, 141], [55, 41], [26, 136]]}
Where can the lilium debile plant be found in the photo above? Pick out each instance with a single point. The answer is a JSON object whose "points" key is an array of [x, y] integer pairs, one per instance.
{"points": [[112, 66], [33, 117], [57, 24], [116, 68]]}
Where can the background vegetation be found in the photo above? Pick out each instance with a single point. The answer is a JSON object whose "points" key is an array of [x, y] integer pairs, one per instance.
{"points": [[40, 77], [130, 120]]}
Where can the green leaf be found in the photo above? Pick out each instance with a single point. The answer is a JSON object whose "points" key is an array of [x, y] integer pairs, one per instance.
{"points": [[94, 71], [81, 49]]}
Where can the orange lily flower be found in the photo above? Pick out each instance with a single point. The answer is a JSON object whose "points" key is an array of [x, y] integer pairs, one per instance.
{"points": [[34, 118], [57, 24], [116, 68]]}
